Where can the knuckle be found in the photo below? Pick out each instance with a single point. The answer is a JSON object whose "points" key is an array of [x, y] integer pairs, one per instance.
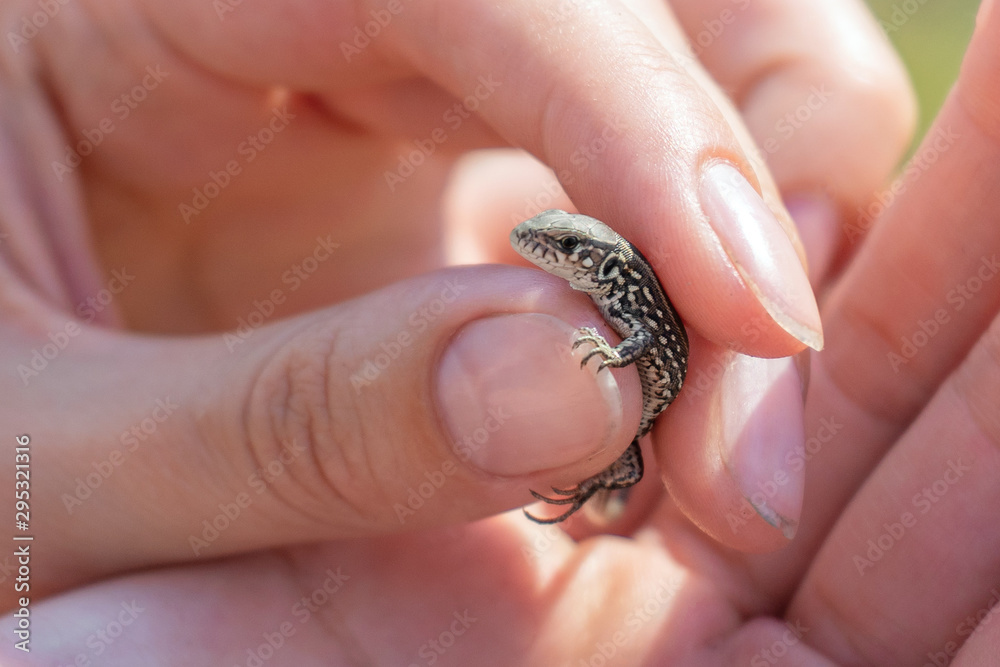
{"points": [[299, 403]]}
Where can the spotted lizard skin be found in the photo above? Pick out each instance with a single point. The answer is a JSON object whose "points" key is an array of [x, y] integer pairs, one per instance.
{"points": [[597, 260]]}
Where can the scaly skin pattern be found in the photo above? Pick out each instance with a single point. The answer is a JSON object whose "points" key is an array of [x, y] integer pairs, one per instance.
{"points": [[597, 260]]}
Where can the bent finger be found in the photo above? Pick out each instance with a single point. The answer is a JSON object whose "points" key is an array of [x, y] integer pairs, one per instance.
{"points": [[918, 296], [595, 95], [824, 96], [926, 514], [438, 400]]}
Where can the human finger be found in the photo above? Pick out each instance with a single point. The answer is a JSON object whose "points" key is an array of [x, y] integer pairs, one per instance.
{"points": [[656, 161], [823, 94], [438, 400]]}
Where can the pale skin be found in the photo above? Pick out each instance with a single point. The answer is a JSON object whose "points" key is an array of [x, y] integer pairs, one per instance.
{"points": [[452, 578]]}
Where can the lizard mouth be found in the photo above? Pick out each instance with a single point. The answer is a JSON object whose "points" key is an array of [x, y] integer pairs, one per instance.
{"points": [[540, 253]]}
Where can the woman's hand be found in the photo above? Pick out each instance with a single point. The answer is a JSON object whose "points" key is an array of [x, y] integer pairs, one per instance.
{"points": [[177, 168]]}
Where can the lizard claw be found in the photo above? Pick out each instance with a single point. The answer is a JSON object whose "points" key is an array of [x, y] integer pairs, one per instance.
{"points": [[623, 473], [555, 501], [575, 499], [562, 517], [601, 347]]}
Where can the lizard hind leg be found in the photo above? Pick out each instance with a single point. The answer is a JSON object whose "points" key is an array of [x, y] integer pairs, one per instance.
{"points": [[623, 473]]}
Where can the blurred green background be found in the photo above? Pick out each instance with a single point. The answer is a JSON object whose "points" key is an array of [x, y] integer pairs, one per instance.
{"points": [[931, 36]]}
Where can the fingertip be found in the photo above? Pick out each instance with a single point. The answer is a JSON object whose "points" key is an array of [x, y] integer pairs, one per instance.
{"points": [[761, 251], [730, 458], [515, 401], [762, 437]]}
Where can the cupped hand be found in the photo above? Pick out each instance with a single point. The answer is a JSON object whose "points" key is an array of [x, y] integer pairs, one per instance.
{"points": [[182, 183]]}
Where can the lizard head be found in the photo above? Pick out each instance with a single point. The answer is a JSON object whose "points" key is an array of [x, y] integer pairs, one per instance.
{"points": [[574, 247]]}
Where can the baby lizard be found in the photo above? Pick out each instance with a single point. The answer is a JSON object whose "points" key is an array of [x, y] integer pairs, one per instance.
{"points": [[597, 260]]}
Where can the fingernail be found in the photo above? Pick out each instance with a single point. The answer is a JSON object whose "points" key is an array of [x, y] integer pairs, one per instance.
{"points": [[762, 432], [515, 400], [761, 252], [818, 221]]}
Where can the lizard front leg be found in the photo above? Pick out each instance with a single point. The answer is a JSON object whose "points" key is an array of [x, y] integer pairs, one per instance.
{"points": [[628, 351]]}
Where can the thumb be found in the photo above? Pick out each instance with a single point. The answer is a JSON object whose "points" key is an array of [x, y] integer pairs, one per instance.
{"points": [[440, 399]]}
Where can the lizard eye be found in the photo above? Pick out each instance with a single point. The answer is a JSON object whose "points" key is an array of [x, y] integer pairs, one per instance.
{"points": [[569, 243]]}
